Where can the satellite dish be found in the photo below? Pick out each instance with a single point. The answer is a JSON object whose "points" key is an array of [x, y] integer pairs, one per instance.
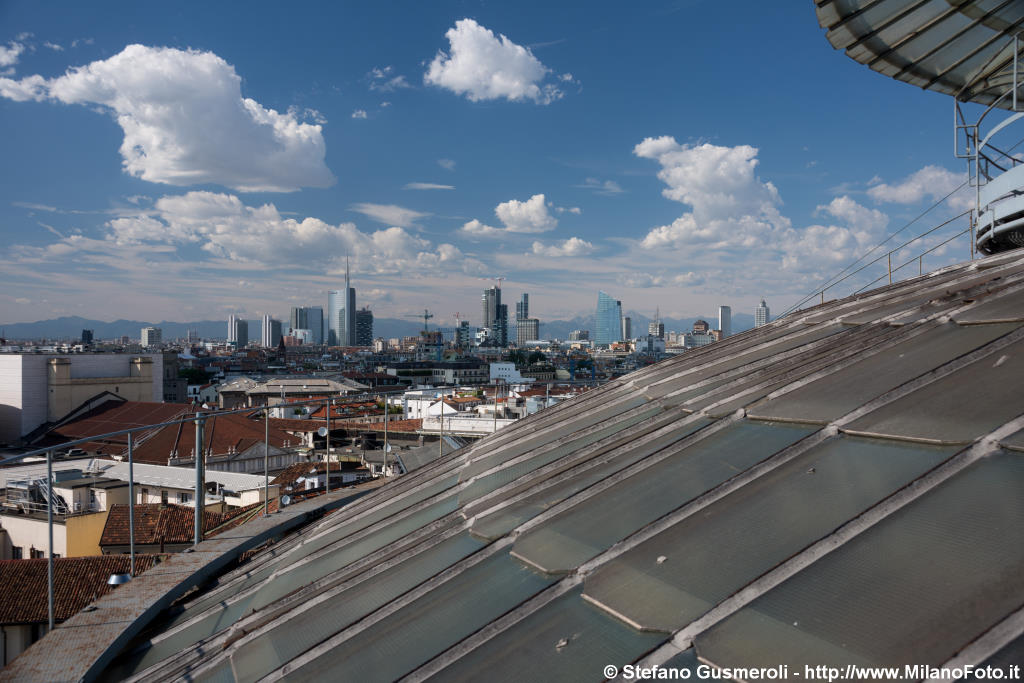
{"points": [[322, 431], [286, 501]]}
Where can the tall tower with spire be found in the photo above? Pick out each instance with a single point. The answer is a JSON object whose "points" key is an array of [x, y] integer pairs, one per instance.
{"points": [[341, 312], [656, 328]]}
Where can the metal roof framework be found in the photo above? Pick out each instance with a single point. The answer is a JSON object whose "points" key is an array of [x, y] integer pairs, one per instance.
{"points": [[962, 48]]}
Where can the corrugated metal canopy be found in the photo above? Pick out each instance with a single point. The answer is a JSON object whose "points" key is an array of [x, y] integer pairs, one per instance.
{"points": [[962, 48]]}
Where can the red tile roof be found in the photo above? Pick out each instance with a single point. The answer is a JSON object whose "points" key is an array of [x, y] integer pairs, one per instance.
{"points": [[114, 416], [77, 581], [221, 433], [153, 521]]}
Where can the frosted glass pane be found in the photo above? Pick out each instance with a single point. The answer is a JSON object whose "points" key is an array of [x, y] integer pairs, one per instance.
{"points": [[504, 520], [418, 632], [291, 638], [583, 531], [676, 576], [496, 480], [958, 408], [838, 393], [913, 589], [566, 640]]}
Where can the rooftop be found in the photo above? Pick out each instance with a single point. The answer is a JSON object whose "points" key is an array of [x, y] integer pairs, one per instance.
{"points": [[832, 488]]}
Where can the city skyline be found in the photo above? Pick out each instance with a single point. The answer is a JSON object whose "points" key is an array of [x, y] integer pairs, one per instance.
{"points": [[627, 170]]}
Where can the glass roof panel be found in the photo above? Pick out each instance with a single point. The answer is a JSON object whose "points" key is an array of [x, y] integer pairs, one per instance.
{"points": [[1011, 654], [416, 633], [496, 480], [590, 527], [226, 615], [836, 394], [1001, 309], [393, 506], [785, 342], [504, 520], [958, 408], [524, 445], [913, 589], [566, 640], [676, 576], [1014, 441], [291, 638]]}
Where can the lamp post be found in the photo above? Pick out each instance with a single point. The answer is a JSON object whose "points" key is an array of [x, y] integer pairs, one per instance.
{"points": [[266, 460]]}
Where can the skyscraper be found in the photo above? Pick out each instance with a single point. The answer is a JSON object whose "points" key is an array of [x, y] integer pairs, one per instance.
{"points": [[241, 332], [609, 320], [151, 336], [725, 321], [309, 318], [232, 330], [341, 311], [627, 325], [762, 316], [495, 315], [523, 307], [364, 327], [656, 328], [527, 328], [271, 333]]}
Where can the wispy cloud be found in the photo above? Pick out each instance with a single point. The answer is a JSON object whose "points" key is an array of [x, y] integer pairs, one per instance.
{"points": [[389, 214], [427, 186]]}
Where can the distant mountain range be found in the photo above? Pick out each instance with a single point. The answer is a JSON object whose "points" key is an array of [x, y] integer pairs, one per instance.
{"points": [[70, 327]]}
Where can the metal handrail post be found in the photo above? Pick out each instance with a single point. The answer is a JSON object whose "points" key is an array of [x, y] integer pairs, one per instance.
{"points": [[131, 505], [266, 460], [327, 455], [49, 532], [200, 502]]}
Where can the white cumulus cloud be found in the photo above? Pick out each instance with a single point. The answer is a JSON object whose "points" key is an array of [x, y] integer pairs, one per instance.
{"points": [[531, 216], [485, 66], [732, 207], [225, 227], [9, 55], [185, 121], [931, 182], [359, 114], [574, 246]]}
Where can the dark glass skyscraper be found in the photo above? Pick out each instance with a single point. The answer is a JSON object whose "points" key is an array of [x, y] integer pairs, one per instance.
{"points": [[609, 320]]}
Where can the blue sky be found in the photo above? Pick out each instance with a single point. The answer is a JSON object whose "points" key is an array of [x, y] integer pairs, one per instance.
{"points": [[185, 161]]}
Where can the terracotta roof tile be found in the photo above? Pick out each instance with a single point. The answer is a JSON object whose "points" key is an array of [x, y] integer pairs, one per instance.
{"points": [[77, 581], [174, 523]]}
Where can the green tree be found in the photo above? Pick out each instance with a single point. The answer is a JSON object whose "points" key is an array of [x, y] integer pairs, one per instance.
{"points": [[194, 375]]}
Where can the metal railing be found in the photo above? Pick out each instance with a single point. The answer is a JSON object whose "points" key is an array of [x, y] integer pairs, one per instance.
{"points": [[199, 419], [887, 257]]}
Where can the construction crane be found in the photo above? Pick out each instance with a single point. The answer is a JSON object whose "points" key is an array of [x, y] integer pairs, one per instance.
{"points": [[496, 279], [426, 315]]}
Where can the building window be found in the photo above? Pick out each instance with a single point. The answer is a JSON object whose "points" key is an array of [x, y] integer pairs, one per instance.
{"points": [[145, 496], [163, 497], [184, 498], [36, 554], [16, 552]]}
